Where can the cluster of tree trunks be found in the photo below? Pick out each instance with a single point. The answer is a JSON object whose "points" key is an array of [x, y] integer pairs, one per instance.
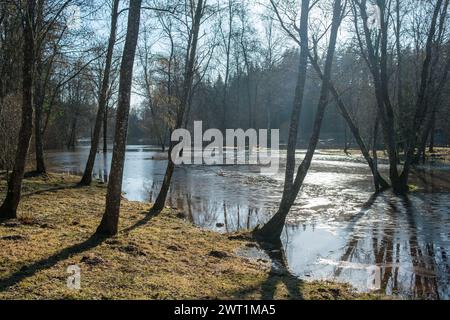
{"points": [[101, 119]]}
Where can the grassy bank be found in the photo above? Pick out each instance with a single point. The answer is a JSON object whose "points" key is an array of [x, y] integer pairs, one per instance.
{"points": [[164, 257]]}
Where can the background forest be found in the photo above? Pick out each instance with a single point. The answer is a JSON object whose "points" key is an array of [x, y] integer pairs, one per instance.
{"points": [[245, 73]]}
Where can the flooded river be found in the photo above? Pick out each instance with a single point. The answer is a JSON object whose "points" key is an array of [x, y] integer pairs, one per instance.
{"points": [[337, 230]]}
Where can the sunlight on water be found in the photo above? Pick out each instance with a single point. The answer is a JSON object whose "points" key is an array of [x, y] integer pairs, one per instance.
{"points": [[336, 230]]}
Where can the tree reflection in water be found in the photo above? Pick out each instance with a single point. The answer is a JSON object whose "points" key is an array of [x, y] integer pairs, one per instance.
{"points": [[336, 230], [406, 242]]}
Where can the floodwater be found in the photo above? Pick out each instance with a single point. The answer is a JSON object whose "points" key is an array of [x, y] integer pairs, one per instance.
{"points": [[337, 229]]}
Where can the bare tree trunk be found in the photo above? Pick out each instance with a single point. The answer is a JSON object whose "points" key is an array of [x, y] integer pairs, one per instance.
{"points": [[422, 104], [427, 133], [399, 58], [433, 128], [298, 99], [105, 131], [430, 121], [39, 144], [110, 220], [158, 206], [39, 95], [346, 144], [8, 210], [377, 61], [87, 176], [73, 132], [272, 230], [378, 180]]}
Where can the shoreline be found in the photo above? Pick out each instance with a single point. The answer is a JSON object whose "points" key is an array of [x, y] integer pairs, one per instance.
{"points": [[165, 257]]}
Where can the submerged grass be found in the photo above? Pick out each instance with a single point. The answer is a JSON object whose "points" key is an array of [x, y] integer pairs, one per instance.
{"points": [[164, 257]]}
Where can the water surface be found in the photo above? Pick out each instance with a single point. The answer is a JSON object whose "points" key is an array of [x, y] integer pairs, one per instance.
{"points": [[337, 229]]}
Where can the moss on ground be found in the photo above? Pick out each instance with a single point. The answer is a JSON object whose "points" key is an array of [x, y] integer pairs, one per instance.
{"points": [[163, 257]]}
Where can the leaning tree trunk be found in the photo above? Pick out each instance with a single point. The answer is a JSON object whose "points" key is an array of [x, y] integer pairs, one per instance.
{"points": [[8, 210], [101, 113], [272, 230], [110, 220], [379, 181], [159, 204]]}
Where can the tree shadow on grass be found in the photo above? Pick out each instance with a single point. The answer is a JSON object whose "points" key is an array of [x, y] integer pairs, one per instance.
{"points": [[40, 191], [43, 264], [30, 270], [279, 274], [148, 217], [50, 190]]}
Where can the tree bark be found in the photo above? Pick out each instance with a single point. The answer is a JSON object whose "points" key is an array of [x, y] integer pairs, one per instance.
{"points": [[103, 99], [40, 82], [378, 180], [105, 131], [39, 144], [298, 98], [38, 139], [433, 128], [110, 221], [8, 210]]}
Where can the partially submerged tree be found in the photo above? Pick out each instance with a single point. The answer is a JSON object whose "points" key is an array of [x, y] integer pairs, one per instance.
{"points": [[197, 10], [374, 45], [379, 182], [272, 230]]}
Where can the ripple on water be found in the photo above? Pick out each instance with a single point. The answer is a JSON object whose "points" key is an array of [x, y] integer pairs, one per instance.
{"points": [[336, 229]]}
